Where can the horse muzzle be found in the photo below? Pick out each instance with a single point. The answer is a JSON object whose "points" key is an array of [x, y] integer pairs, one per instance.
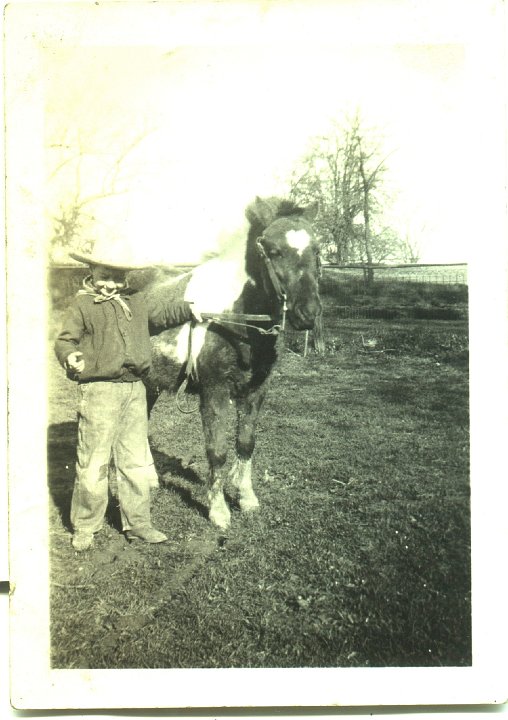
{"points": [[303, 316], [303, 303]]}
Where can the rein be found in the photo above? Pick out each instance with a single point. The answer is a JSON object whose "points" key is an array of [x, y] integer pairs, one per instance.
{"points": [[241, 318]]}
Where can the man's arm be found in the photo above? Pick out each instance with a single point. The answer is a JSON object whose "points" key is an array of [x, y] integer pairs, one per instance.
{"points": [[73, 328], [167, 313]]}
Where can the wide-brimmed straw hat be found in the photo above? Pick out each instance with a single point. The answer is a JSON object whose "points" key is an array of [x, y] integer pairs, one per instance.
{"points": [[110, 253]]}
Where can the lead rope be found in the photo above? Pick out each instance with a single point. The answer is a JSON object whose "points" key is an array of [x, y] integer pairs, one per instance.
{"points": [[185, 401], [274, 330], [284, 309]]}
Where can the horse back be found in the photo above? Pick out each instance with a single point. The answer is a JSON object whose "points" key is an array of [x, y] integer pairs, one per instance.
{"points": [[233, 357]]}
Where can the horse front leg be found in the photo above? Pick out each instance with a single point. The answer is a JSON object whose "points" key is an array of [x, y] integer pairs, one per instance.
{"points": [[241, 472], [214, 412]]}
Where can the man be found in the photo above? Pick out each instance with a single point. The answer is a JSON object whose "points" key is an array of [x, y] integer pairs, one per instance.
{"points": [[104, 344]]}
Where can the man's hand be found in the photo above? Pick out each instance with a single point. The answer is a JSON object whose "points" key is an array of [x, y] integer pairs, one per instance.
{"points": [[75, 362]]}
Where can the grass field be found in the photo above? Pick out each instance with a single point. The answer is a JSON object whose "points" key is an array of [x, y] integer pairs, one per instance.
{"points": [[359, 555], [422, 293]]}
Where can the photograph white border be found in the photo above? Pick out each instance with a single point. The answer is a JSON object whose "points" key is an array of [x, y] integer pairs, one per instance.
{"points": [[33, 683]]}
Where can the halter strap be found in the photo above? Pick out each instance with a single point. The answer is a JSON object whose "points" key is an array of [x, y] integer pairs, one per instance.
{"points": [[274, 279]]}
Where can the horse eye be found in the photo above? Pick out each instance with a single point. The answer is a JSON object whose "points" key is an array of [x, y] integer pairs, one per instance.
{"points": [[274, 252]]}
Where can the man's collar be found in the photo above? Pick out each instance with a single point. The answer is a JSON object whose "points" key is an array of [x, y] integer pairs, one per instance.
{"points": [[89, 287]]}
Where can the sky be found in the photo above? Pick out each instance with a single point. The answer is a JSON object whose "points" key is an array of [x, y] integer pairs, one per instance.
{"points": [[211, 104]]}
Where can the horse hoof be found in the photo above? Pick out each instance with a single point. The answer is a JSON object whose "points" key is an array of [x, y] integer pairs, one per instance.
{"points": [[249, 504], [222, 523], [220, 517]]}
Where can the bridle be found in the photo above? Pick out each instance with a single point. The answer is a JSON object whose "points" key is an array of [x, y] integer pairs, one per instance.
{"points": [[274, 278]]}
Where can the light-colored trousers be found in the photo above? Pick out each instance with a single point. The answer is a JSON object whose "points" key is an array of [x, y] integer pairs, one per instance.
{"points": [[112, 420]]}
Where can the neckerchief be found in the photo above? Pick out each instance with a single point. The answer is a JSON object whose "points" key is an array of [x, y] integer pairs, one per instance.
{"points": [[100, 297]]}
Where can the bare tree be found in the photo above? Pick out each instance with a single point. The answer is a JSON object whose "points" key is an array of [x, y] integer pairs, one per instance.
{"points": [[410, 249], [345, 172], [70, 160], [327, 174]]}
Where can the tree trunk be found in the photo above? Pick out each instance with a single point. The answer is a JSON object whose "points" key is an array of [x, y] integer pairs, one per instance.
{"points": [[366, 224], [318, 335]]}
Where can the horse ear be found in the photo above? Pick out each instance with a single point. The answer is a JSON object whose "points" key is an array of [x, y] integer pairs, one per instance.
{"points": [[311, 211], [264, 210]]}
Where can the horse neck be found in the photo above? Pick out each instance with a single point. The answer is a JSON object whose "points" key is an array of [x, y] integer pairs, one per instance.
{"points": [[252, 259]]}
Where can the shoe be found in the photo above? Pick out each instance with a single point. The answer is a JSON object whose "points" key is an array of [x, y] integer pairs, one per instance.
{"points": [[148, 534], [82, 540]]}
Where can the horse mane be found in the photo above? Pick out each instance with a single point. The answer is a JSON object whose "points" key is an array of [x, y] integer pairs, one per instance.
{"points": [[280, 207], [288, 208]]}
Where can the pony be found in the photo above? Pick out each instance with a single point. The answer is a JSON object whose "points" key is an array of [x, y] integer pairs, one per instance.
{"points": [[245, 296]]}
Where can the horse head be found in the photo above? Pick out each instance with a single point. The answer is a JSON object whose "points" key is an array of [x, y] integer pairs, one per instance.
{"points": [[283, 255]]}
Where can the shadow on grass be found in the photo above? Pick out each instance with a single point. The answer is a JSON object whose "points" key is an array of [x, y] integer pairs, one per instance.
{"points": [[395, 392], [166, 464], [61, 454], [176, 470]]}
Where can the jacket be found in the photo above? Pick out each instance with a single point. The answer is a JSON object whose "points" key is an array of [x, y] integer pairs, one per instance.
{"points": [[114, 346]]}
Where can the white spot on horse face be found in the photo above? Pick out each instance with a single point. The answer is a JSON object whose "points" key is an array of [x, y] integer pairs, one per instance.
{"points": [[298, 239], [216, 285]]}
